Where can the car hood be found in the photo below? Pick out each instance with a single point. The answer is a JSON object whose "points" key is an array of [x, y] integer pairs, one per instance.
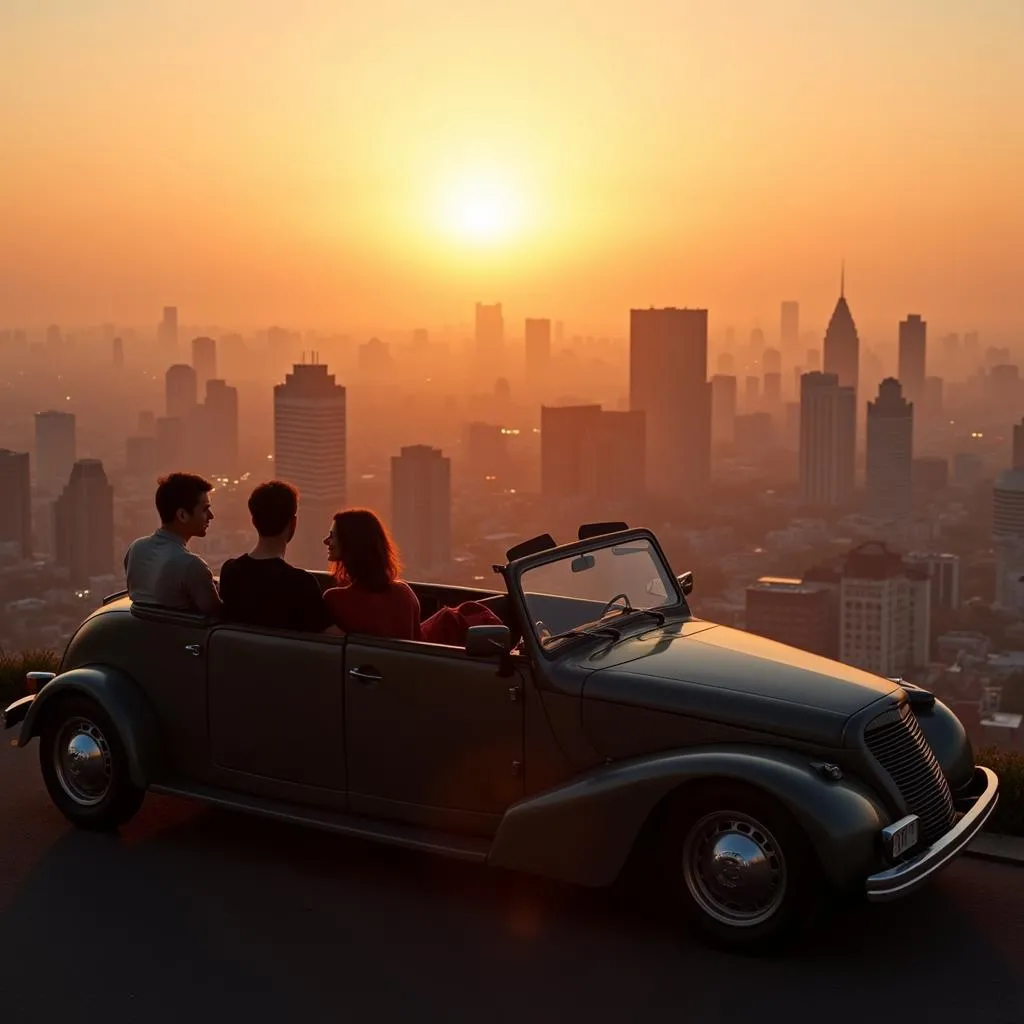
{"points": [[731, 676]]}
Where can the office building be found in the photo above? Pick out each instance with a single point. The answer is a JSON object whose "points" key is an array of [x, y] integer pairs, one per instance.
{"points": [[931, 410], [827, 439], [771, 361], [421, 509], [587, 452], [204, 361], [1018, 446], [773, 391], [489, 332], [890, 438], [842, 345], [668, 364], [913, 334], [537, 350], [930, 475], [944, 572], [55, 450], [792, 612], [16, 506], [789, 328], [885, 612], [374, 358], [117, 353], [1008, 539], [219, 424], [751, 394], [310, 452], [724, 400], [167, 331], [180, 391], [83, 518], [142, 457]]}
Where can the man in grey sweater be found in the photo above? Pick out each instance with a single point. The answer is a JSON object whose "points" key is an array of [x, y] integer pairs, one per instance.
{"points": [[161, 570]]}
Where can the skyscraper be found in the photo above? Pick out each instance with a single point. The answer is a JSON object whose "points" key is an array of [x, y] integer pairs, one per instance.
{"points": [[421, 508], [827, 439], [913, 332], [1018, 446], [890, 431], [83, 519], [167, 330], [181, 392], [489, 332], [668, 370], [55, 449], [538, 349], [789, 329], [723, 408], [771, 360], [220, 427], [309, 452], [16, 506], [117, 349], [842, 345], [204, 360]]}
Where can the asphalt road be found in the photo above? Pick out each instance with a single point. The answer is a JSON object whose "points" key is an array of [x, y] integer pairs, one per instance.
{"points": [[196, 915]]}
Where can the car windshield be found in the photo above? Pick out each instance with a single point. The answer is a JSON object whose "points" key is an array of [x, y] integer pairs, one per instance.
{"points": [[596, 589]]}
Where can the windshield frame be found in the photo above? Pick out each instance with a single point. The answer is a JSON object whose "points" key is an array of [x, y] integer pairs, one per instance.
{"points": [[675, 604]]}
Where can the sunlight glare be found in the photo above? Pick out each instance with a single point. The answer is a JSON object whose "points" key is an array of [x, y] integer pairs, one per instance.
{"points": [[481, 211]]}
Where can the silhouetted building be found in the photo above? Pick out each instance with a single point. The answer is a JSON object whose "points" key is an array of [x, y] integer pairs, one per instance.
{"points": [[142, 457], [1003, 388], [146, 424], [537, 350], [944, 572], [16, 503], [913, 335], [1008, 538], [55, 449], [930, 474], [310, 452], [167, 330], [890, 437], [771, 361], [813, 360], [773, 391], [588, 452], [83, 518], [723, 408], [421, 508], [789, 327], [754, 433], [204, 361], [842, 345], [117, 352], [180, 391], [968, 469], [220, 427], [668, 370], [885, 612], [932, 404], [827, 439], [751, 394], [1018, 446], [792, 612], [375, 358], [489, 332]]}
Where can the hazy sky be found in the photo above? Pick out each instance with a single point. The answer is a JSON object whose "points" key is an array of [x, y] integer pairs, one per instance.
{"points": [[328, 163]]}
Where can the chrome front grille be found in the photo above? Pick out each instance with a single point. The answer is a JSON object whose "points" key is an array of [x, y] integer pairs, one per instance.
{"points": [[896, 740]]}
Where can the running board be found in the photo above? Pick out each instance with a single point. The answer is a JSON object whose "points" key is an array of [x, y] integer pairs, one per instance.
{"points": [[412, 837]]}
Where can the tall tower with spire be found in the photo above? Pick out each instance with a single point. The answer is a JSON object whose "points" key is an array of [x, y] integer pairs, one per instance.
{"points": [[842, 345]]}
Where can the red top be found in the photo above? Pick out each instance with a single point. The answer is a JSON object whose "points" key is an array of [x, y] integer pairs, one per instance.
{"points": [[394, 612]]}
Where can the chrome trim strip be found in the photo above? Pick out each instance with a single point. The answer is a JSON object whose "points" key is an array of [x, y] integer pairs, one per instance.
{"points": [[906, 877]]}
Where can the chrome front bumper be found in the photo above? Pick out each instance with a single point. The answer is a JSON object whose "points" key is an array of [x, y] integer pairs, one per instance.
{"points": [[908, 875]]}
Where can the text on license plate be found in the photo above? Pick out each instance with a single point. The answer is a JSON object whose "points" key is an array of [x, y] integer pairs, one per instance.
{"points": [[904, 838]]}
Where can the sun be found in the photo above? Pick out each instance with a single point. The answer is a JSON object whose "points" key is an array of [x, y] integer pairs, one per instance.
{"points": [[481, 211]]}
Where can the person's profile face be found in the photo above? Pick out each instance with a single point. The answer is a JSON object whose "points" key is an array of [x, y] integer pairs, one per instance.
{"points": [[198, 521]]}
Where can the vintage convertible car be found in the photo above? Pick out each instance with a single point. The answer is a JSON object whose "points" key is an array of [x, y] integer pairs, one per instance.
{"points": [[601, 723]]}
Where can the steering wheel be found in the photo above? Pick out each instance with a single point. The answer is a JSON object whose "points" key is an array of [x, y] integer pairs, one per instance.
{"points": [[626, 606]]}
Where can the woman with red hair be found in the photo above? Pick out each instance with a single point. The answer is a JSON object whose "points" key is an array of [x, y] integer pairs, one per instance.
{"points": [[369, 598]]}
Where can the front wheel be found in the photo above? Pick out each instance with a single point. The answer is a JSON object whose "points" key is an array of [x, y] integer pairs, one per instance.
{"points": [[741, 870], [85, 767]]}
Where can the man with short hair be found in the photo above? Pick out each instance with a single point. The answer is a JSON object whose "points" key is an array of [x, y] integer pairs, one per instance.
{"points": [[261, 588], [161, 570]]}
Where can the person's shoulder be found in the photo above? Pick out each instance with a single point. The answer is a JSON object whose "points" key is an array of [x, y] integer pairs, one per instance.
{"points": [[405, 590]]}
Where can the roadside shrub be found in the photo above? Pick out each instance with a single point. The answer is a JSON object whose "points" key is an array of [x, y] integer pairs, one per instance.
{"points": [[1009, 766], [14, 666]]}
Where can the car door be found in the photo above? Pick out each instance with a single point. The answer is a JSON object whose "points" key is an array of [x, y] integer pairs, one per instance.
{"points": [[431, 736], [276, 713]]}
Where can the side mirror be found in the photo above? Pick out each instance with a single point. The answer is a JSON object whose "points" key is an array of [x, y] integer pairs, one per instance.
{"points": [[488, 641], [685, 580]]}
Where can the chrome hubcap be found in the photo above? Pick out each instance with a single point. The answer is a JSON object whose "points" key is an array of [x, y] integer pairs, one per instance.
{"points": [[82, 761], [734, 868]]}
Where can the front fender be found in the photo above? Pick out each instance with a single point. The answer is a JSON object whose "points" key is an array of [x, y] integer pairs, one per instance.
{"points": [[125, 704], [583, 831]]}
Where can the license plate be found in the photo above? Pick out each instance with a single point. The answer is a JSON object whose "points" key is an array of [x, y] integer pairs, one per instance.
{"points": [[903, 836]]}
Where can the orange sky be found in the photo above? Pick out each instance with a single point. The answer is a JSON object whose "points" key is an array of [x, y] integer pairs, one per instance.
{"points": [[258, 162]]}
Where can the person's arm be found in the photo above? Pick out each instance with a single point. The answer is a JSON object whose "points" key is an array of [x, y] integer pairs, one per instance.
{"points": [[315, 613], [201, 588]]}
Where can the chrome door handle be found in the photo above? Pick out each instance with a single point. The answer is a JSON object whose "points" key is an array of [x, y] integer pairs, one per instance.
{"points": [[194, 649], [366, 675]]}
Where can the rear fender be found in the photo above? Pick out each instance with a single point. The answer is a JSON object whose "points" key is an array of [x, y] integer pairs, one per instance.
{"points": [[583, 831], [124, 703]]}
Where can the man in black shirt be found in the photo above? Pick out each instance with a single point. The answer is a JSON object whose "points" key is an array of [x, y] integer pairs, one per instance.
{"points": [[261, 588]]}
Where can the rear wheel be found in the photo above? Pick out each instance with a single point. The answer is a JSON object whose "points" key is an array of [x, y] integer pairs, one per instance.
{"points": [[739, 867], [85, 767]]}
